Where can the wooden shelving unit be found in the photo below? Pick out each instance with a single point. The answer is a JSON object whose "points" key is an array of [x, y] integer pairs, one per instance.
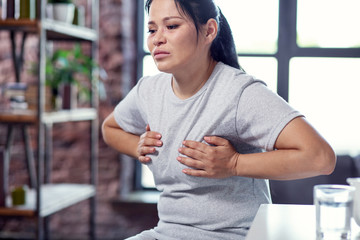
{"points": [[45, 199]]}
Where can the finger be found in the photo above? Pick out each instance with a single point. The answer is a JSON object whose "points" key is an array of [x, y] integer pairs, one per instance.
{"points": [[191, 152], [148, 127], [144, 159], [195, 173], [195, 145], [217, 141], [146, 150], [150, 134], [196, 164], [152, 142]]}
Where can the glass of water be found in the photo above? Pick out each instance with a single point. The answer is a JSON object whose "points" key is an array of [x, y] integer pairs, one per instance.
{"points": [[334, 207]]}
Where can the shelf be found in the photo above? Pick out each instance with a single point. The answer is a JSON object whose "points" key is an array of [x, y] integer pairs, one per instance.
{"points": [[78, 114], [54, 197], [28, 116], [63, 31], [26, 25], [56, 30], [18, 116]]}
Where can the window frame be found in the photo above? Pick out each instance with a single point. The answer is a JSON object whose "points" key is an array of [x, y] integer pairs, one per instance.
{"points": [[287, 49]]}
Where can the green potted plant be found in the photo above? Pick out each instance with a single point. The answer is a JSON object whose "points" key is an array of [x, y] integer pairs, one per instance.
{"points": [[68, 73], [62, 10]]}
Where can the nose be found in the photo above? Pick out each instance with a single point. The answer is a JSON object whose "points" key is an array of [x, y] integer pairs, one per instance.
{"points": [[159, 38]]}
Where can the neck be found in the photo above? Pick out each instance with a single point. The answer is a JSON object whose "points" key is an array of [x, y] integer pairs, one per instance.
{"points": [[187, 83]]}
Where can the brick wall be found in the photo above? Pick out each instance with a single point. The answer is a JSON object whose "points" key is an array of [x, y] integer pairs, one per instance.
{"points": [[71, 144]]}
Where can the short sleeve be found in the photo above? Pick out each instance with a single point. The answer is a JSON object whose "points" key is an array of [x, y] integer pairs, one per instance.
{"points": [[262, 115], [129, 114]]}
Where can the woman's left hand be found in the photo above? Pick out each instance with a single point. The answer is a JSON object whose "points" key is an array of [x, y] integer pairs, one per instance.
{"points": [[217, 160]]}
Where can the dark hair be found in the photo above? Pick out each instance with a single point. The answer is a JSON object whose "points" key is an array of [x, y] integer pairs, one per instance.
{"points": [[200, 11]]}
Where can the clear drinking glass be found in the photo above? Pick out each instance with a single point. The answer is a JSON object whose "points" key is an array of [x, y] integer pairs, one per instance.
{"points": [[334, 207]]}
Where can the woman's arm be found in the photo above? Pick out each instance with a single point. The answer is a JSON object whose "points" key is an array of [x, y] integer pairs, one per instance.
{"points": [[118, 139], [130, 144], [301, 152]]}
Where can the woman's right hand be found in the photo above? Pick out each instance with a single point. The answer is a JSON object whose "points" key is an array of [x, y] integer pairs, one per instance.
{"points": [[148, 141]]}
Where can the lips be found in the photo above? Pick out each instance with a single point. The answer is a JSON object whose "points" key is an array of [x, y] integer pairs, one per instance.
{"points": [[160, 54]]}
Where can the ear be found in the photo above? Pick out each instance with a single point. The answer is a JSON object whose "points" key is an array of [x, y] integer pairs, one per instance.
{"points": [[211, 30]]}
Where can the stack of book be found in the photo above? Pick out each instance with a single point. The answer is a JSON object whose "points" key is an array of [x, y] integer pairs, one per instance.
{"points": [[14, 95], [18, 9]]}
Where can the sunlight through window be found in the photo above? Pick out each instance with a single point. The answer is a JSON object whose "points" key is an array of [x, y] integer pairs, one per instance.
{"points": [[255, 28], [328, 23]]}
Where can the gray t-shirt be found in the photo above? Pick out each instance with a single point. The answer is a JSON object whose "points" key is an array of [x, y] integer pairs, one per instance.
{"points": [[232, 105]]}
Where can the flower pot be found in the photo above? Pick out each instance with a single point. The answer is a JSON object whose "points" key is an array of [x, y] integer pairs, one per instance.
{"points": [[63, 12]]}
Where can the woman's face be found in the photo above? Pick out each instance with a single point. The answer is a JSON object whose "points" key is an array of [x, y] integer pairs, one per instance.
{"points": [[172, 40]]}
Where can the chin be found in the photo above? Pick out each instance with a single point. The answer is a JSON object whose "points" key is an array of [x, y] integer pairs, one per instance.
{"points": [[163, 68]]}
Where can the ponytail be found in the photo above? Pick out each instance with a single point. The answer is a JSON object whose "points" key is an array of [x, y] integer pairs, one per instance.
{"points": [[223, 47]]}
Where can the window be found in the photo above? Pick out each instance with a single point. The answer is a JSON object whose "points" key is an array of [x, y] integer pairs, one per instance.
{"points": [[250, 23], [328, 23], [304, 53], [329, 52], [326, 91]]}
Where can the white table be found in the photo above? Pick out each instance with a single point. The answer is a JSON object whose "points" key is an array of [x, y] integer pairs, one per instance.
{"points": [[287, 222]]}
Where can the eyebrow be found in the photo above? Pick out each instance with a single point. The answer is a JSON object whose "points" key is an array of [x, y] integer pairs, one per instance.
{"points": [[165, 19]]}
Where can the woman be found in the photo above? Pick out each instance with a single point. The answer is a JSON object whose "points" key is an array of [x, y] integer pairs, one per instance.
{"points": [[210, 133]]}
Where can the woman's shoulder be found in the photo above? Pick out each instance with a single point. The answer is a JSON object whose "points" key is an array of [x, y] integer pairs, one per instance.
{"points": [[235, 77]]}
